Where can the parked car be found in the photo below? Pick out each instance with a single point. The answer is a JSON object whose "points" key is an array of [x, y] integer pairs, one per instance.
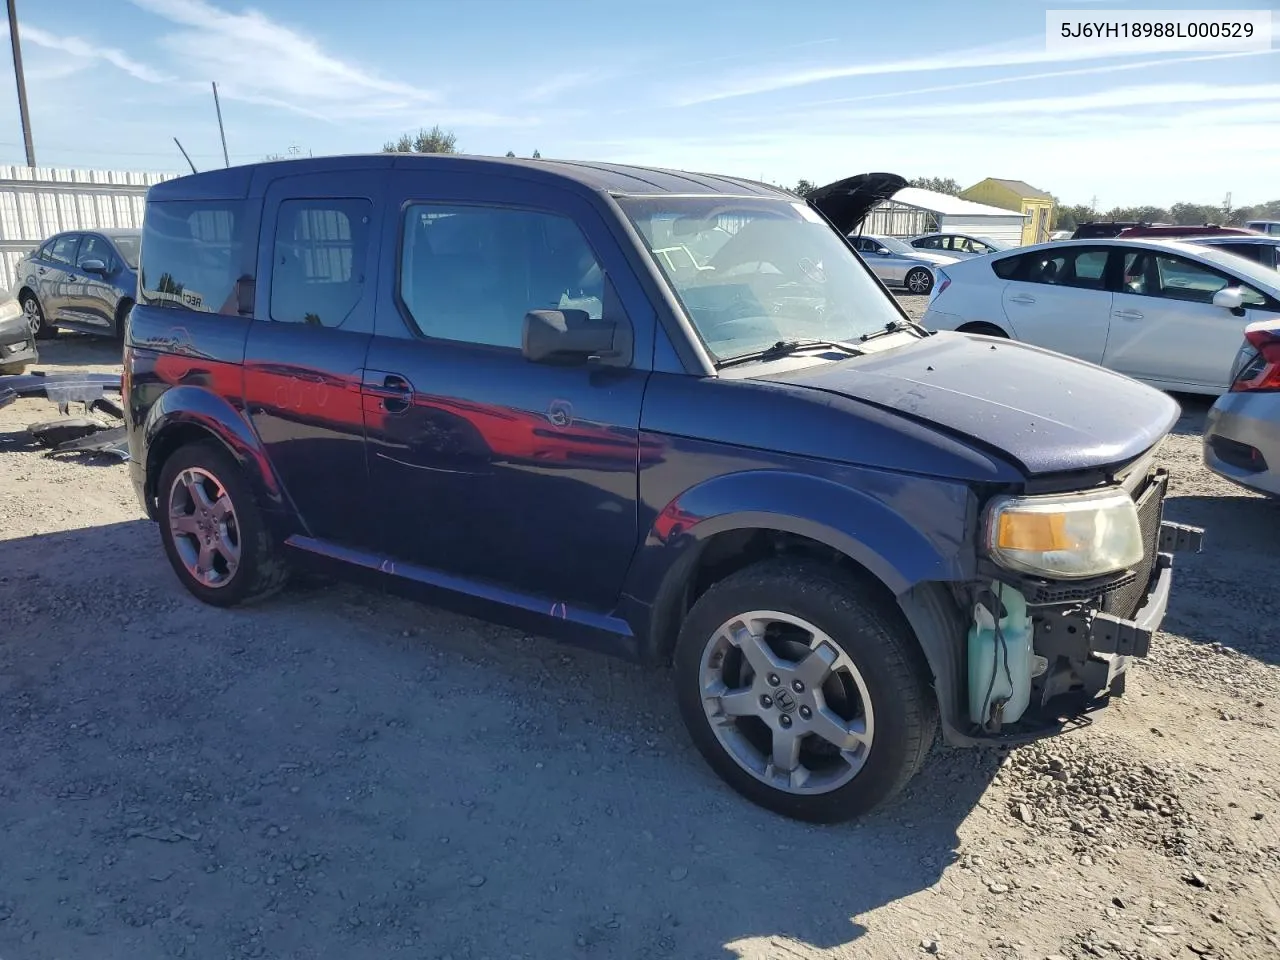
{"points": [[747, 472], [1270, 227], [1167, 312], [17, 339], [1104, 229], [84, 280], [898, 264], [1172, 231], [960, 246], [1242, 436], [1264, 249]]}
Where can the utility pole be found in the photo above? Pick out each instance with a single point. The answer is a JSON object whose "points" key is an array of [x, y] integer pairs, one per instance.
{"points": [[22, 84], [222, 133], [1093, 204]]}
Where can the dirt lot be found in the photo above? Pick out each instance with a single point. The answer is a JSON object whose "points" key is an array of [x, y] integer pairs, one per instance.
{"points": [[337, 774]]}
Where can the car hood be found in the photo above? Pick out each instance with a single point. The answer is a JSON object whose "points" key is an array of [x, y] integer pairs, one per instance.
{"points": [[847, 202], [1046, 412]]}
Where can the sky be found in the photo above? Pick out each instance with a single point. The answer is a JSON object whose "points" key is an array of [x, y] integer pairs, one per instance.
{"points": [[779, 92]]}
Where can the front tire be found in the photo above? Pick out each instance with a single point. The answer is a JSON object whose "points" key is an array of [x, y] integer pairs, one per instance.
{"points": [[213, 529], [918, 281], [34, 313], [804, 690]]}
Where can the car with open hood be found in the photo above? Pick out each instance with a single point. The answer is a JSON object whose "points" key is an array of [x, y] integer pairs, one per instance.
{"points": [[666, 415]]}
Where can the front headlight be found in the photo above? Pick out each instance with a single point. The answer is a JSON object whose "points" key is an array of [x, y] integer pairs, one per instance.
{"points": [[1068, 537]]}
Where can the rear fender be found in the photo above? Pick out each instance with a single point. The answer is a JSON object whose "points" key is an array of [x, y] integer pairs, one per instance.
{"points": [[173, 421], [903, 530]]}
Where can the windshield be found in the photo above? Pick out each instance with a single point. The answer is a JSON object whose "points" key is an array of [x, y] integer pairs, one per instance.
{"points": [[1248, 270], [751, 272], [128, 247], [897, 246]]}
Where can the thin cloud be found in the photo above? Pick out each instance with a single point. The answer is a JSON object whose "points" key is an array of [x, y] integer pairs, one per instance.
{"points": [[1023, 53], [561, 83], [1044, 75], [257, 59], [88, 50], [1158, 95]]}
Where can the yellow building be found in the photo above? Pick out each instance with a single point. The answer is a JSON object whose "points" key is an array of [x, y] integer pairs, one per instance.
{"points": [[1036, 206]]}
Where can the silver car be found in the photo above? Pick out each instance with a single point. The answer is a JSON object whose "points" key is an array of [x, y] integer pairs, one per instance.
{"points": [[962, 246], [1242, 438], [899, 265]]}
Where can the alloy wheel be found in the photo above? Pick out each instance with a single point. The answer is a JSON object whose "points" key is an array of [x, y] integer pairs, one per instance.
{"points": [[31, 310], [786, 702], [203, 527]]}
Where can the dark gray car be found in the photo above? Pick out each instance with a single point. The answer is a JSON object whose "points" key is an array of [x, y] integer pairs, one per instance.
{"points": [[83, 280]]}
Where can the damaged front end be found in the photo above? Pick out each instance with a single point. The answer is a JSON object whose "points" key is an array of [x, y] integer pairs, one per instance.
{"points": [[1042, 652], [99, 429]]}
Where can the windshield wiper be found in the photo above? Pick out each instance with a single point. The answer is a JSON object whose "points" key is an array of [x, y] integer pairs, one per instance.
{"points": [[894, 326], [784, 348]]}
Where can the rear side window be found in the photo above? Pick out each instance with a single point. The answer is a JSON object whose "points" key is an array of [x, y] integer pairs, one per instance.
{"points": [[321, 250], [1084, 268], [194, 252], [471, 273]]}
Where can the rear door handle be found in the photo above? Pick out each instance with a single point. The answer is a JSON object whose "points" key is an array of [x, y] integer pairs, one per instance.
{"points": [[1127, 314], [1022, 298]]}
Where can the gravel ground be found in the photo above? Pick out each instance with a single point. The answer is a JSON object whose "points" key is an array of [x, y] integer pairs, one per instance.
{"points": [[337, 774]]}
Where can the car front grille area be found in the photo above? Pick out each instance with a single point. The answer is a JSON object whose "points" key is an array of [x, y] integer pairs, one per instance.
{"points": [[1127, 599]]}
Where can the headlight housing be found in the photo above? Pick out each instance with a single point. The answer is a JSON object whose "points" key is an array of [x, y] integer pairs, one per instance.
{"points": [[1066, 537]]}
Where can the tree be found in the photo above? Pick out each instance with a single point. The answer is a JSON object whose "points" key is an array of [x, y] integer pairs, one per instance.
{"points": [[537, 155], [434, 140], [511, 153], [803, 188], [936, 184]]}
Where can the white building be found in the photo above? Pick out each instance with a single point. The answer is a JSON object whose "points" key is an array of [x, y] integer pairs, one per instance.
{"points": [[914, 211]]}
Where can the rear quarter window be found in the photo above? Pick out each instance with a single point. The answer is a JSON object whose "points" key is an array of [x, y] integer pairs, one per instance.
{"points": [[1006, 268], [194, 252]]}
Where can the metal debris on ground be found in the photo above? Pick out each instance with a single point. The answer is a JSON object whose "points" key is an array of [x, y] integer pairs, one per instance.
{"points": [[74, 434]]}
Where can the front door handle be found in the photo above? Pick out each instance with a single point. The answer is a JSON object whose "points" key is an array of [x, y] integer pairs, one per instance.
{"points": [[394, 389], [1022, 298], [1127, 314]]}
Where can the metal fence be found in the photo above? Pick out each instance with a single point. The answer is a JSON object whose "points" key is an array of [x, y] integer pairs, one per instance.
{"points": [[37, 203]]}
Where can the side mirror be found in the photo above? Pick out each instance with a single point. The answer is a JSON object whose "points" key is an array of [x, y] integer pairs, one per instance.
{"points": [[882, 251], [1229, 298], [565, 336], [94, 266]]}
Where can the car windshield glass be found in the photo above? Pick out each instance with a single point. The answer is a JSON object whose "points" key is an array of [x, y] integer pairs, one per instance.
{"points": [[128, 247], [1248, 270], [897, 246], [750, 272]]}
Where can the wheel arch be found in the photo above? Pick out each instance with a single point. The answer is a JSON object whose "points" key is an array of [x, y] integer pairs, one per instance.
{"points": [[186, 414], [691, 545]]}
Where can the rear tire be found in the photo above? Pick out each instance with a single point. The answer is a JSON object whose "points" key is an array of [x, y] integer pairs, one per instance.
{"points": [[986, 329], [918, 281], [863, 729], [213, 530]]}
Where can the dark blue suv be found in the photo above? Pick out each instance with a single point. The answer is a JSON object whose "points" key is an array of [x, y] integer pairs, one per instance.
{"points": [[670, 416]]}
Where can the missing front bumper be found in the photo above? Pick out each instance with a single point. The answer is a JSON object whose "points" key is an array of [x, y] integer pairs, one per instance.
{"points": [[1089, 650]]}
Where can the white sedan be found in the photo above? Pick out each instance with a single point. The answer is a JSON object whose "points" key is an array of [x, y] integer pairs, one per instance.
{"points": [[1166, 312]]}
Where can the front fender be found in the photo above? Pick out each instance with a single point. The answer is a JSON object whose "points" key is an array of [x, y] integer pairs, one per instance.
{"points": [[905, 530], [181, 409]]}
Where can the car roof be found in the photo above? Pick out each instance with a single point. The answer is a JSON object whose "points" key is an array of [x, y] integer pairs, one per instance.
{"points": [[1220, 240], [615, 178]]}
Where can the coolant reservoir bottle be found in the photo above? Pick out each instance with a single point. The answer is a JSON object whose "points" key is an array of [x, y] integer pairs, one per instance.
{"points": [[1012, 680]]}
